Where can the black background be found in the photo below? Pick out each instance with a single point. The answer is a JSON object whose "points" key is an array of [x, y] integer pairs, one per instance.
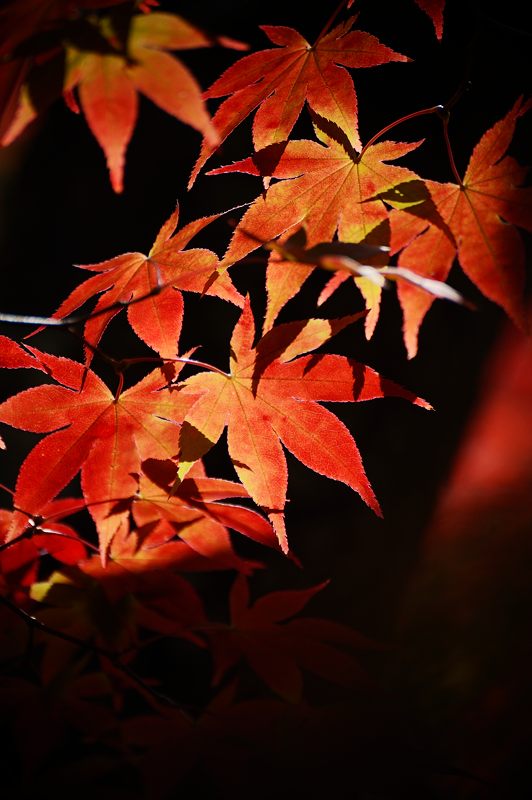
{"points": [[58, 209]]}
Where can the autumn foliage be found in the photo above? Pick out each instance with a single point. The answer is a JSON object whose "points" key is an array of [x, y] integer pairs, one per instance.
{"points": [[117, 525]]}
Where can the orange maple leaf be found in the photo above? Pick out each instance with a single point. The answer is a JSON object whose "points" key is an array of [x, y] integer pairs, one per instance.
{"points": [[331, 189], [270, 396], [155, 279], [279, 81], [469, 221]]}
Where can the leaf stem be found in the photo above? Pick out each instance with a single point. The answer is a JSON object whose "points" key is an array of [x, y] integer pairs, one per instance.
{"points": [[50, 532], [179, 359], [195, 363], [95, 350], [432, 110], [120, 384], [444, 116], [330, 21]]}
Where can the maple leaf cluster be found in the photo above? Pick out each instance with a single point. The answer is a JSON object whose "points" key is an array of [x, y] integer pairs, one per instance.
{"points": [[333, 203]]}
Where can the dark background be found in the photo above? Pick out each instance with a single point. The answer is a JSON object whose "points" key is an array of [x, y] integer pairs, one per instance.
{"points": [[58, 209]]}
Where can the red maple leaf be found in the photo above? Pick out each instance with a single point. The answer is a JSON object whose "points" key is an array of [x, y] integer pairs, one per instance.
{"points": [[277, 652], [107, 437], [469, 220], [270, 396], [156, 280], [279, 81]]}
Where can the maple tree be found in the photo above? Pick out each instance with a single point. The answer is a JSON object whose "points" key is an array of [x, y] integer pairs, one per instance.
{"points": [[170, 406]]}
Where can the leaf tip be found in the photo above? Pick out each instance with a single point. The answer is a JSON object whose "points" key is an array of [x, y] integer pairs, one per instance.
{"points": [[232, 44], [277, 520], [117, 180], [423, 404]]}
